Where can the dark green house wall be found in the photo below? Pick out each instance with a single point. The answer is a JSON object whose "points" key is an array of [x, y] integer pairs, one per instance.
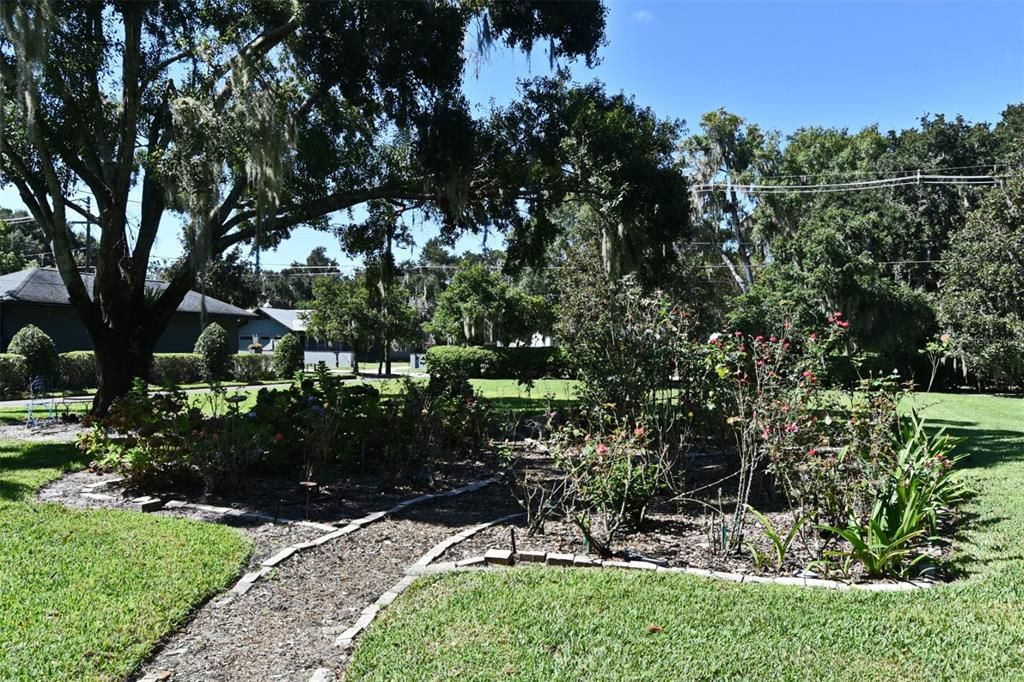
{"points": [[68, 333]]}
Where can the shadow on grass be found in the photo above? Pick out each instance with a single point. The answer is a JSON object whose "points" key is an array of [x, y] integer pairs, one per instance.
{"points": [[31, 456], [986, 447], [14, 491], [524, 406]]}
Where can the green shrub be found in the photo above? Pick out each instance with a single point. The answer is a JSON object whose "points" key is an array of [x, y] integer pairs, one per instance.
{"points": [[158, 441], [37, 348], [13, 374], [251, 367], [77, 370], [212, 345], [320, 424], [449, 365], [288, 356], [919, 491], [173, 369]]}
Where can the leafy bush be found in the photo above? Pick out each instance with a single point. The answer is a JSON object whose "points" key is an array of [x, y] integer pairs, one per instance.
{"points": [[38, 349], [918, 491], [163, 440], [251, 367], [212, 346], [288, 357], [425, 424], [174, 369], [13, 374], [77, 370], [311, 429], [448, 364], [605, 482], [633, 352]]}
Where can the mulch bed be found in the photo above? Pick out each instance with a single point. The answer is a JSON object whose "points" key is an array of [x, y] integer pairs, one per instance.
{"points": [[678, 530], [58, 431], [277, 497]]}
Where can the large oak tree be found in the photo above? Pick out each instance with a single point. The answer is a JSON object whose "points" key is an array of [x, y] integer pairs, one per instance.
{"points": [[241, 120]]}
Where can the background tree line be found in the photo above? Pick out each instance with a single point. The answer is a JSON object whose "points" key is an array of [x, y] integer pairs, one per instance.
{"points": [[244, 122]]}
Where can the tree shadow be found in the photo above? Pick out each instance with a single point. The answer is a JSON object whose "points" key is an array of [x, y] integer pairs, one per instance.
{"points": [[14, 491], [984, 447], [29, 456], [42, 455]]}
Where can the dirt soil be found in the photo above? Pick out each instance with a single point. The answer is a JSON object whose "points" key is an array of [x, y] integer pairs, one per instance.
{"points": [[276, 497]]}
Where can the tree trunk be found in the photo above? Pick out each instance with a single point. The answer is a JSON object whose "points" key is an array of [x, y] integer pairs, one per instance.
{"points": [[119, 361]]}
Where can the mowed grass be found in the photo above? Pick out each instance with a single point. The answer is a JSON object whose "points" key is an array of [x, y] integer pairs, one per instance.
{"points": [[504, 395], [571, 624], [85, 595]]}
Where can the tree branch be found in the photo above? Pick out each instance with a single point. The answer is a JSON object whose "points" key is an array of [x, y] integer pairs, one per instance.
{"points": [[258, 47], [296, 214], [132, 14]]}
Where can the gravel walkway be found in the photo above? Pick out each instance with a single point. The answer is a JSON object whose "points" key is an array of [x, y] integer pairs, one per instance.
{"points": [[64, 432], [285, 626]]}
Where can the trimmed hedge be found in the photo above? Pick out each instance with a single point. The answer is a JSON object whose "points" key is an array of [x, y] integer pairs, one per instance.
{"points": [[13, 374], [77, 370], [174, 369], [475, 362], [252, 367]]}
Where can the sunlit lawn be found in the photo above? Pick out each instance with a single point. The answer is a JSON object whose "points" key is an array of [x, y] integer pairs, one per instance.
{"points": [[84, 595]]}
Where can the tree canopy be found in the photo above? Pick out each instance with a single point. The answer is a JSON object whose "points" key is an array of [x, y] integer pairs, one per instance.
{"points": [[245, 120]]}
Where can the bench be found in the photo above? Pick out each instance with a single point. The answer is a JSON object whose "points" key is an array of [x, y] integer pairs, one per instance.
{"points": [[68, 401]]}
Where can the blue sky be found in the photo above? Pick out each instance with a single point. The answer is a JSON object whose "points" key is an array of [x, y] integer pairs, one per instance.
{"points": [[782, 64]]}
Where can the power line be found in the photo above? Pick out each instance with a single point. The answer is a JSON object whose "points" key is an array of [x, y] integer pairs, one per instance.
{"points": [[853, 186], [898, 172]]}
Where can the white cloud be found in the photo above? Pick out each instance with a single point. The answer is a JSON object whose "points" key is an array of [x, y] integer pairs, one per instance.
{"points": [[643, 16]]}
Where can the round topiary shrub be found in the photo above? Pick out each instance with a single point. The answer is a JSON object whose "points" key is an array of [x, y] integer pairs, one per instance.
{"points": [[212, 346], [288, 356], [37, 348]]}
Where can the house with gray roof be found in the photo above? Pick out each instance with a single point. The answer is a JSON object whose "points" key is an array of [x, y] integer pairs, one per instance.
{"points": [[268, 326], [38, 296]]}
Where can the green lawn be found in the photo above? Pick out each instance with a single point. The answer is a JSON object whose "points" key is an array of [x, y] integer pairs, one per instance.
{"points": [[505, 395], [570, 624], [85, 595]]}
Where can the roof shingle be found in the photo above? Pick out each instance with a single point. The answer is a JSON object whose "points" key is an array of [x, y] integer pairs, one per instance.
{"points": [[44, 286]]}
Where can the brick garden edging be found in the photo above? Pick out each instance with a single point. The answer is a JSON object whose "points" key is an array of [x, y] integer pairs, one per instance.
{"points": [[246, 582], [346, 639], [505, 558]]}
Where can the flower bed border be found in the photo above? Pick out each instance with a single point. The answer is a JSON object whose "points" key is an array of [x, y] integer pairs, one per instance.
{"points": [[506, 559]]}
